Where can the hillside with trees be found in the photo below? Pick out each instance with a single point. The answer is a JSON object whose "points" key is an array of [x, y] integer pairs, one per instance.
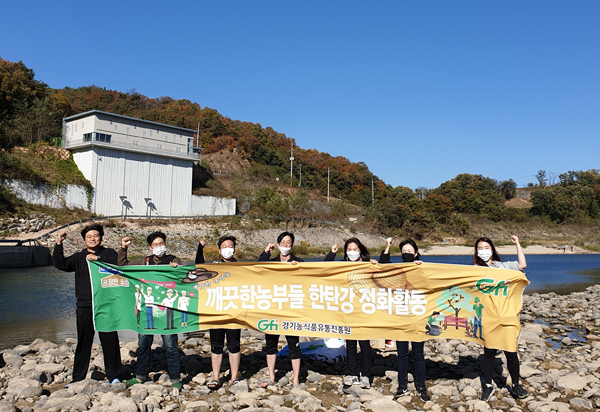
{"points": [[251, 162]]}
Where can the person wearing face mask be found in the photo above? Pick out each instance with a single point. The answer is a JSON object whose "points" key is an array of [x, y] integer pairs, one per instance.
{"points": [[486, 255], [226, 246], [355, 251], [285, 242], [410, 254], [157, 243]]}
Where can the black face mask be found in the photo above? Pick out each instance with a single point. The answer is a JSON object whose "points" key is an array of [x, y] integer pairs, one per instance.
{"points": [[408, 257]]}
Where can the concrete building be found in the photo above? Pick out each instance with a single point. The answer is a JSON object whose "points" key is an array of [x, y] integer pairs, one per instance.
{"points": [[138, 167]]}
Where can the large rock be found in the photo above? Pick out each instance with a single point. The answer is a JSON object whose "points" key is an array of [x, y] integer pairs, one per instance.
{"points": [[86, 387], [384, 405], [241, 386], [6, 406], [12, 359], [571, 381], [121, 403], [530, 333], [25, 388], [76, 402], [197, 406], [51, 368]]}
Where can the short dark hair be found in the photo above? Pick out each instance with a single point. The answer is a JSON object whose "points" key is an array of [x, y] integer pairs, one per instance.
{"points": [[152, 236], [477, 261], [224, 238], [364, 253], [411, 242], [95, 227], [284, 234]]}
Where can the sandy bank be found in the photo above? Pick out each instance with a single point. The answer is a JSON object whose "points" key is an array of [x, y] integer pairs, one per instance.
{"points": [[447, 250]]}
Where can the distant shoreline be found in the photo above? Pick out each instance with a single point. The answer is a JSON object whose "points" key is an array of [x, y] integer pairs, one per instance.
{"points": [[444, 250]]}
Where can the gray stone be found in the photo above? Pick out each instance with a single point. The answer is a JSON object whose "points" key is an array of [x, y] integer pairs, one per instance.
{"points": [[527, 371], [24, 387], [197, 406], [570, 381], [6, 406], [241, 386], [77, 402], [86, 387], [385, 405], [581, 402], [12, 359], [51, 368], [315, 377], [122, 403]]}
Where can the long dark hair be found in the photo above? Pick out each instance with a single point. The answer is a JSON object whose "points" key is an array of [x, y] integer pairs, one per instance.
{"points": [[495, 256], [411, 242], [365, 256]]}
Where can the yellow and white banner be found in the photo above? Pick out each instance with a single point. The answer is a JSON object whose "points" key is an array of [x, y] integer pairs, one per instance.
{"points": [[406, 302]]}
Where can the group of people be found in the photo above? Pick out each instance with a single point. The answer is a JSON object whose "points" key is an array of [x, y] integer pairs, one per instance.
{"points": [[485, 254]]}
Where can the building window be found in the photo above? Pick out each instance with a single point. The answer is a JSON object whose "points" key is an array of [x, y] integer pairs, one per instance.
{"points": [[144, 134], [87, 137], [150, 133], [135, 127], [115, 127], [178, 149], [75, 126], [136, 142], [82, 125], [174, 138], [110, 121], [159, 146], [101, 137]]}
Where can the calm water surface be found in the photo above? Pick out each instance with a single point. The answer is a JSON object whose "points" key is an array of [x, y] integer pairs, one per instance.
{"points": [[40, 302]]}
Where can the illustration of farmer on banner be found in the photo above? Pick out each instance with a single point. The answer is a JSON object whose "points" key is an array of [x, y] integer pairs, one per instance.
{"points": [[168, 303]]}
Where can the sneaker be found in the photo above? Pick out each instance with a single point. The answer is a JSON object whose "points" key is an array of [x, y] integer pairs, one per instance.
{"points": [[115, 381], [402, 390], [365, 382], [176, 385], [518, 392], [351, 380], [487, 392], [133, 381], [422, 392]]}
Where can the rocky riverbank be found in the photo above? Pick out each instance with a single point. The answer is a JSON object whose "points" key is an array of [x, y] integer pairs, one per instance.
{"points": [[559, 349]]}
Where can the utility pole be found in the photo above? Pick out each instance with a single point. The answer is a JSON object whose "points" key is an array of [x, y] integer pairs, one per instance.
{"points": [[198, 136], [300, 184], [372, 191], [327, 184], [292, 165]]}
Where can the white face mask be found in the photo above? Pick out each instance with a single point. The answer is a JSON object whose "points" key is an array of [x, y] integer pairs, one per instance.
{"points": [[484, 254], [284, 250], [353, 255], [159, 251], [227, 252]]}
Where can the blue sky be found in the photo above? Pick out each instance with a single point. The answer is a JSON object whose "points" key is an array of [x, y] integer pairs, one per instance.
{"points": [[418, 90]]}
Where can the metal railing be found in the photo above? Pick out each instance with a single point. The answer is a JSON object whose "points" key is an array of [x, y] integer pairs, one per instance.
{"points": [[73, 143]]}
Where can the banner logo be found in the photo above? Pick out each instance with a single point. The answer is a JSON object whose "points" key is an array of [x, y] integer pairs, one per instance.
{"points": [[268, 325], [488, 286]]}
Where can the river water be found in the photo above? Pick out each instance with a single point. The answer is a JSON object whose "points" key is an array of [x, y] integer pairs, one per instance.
{"points": [[40, 302]]}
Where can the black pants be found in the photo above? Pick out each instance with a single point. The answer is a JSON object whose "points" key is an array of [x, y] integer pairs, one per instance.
{"points": [[489, 362], [83, 351], [170, 319], [365, 357], [293, 345], [217, 340]]}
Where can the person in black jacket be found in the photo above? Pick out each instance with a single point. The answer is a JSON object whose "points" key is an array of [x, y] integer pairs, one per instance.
{"points": [[355, 251], [285, 242], [92, 238], [226, 246], [157, 243], [410, 253]]}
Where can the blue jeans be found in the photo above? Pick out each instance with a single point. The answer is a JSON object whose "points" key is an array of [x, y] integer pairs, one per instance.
{"points": [[477, 325], [184, 317], [143, 356], [418, 355], [149, 318]]}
